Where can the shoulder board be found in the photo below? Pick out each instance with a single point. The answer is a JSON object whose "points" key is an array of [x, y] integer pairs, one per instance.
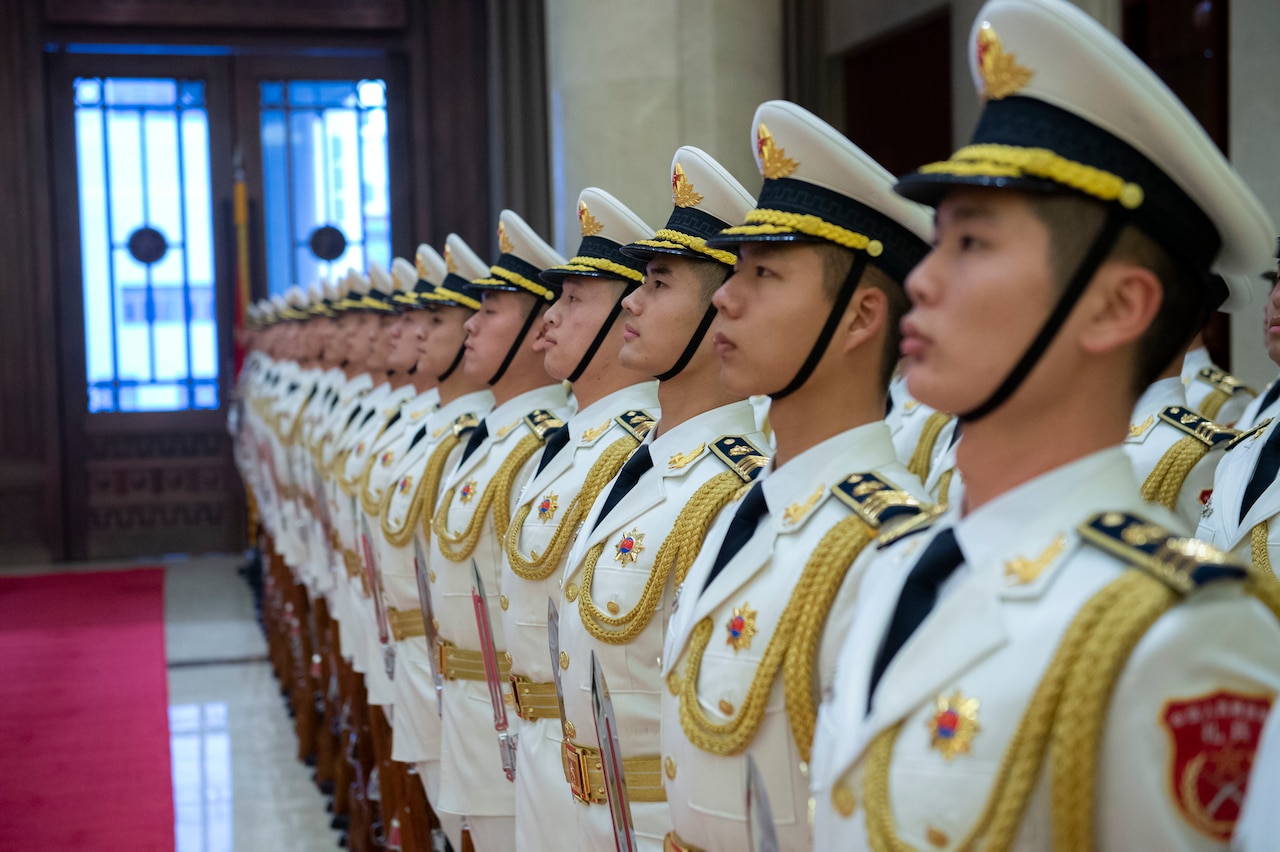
{"points": [[1248, 433], [1198, 427], [1224, 381], [464, 423], [740, 455], [636, 422], [1183, 564], [875, 500], [909, 526], [540, 422]]}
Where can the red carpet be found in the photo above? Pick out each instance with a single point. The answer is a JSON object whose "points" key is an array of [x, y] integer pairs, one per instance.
{"points": [[84, 728]]}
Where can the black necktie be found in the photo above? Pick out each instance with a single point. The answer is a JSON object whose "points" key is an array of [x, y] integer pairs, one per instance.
{"points": [[919, 594], [473, 443], [637, 466], [555, 443], [1273, 393], [741, 528], [1264, 474]]}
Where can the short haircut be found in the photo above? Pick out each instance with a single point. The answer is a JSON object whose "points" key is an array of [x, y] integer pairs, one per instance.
{"points": [[837, 262], [1074, 221]]}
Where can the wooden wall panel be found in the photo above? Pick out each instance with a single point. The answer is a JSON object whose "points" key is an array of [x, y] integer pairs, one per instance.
{"points": [[450, 123], [299, 14], [30, 495]]}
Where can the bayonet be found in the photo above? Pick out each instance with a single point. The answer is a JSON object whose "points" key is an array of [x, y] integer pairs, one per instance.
{"points": [[492, 676], [429, 622], [375, 590], [553, 643], [760, 831], [615, 785]]}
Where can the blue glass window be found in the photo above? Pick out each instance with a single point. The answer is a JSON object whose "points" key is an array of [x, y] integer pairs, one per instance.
{"points": [[146, 234], [324, 167]]}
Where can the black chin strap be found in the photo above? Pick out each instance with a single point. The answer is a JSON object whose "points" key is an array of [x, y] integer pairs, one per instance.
{"points": [[601, 334], [1084, 273], [457, 359], [694, 343], [515, 346], [829, 328]]}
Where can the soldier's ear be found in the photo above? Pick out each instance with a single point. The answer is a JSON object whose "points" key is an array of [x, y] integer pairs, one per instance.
{"points": [[1119, 306], [866, 315]]}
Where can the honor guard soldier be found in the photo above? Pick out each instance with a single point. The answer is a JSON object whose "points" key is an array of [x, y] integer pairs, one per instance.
{"points": [[1054, 664], [408, 502], [1240, 515], [643, 531], [615, 407], [404, 824], [810, 317], [475, 505], [1212, 392]]}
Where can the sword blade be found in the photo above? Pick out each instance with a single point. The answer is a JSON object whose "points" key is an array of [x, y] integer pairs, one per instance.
{"points": [[615, 784], [553, 643], [492, 676], [428, 620], [760, 830], [371, 573]]}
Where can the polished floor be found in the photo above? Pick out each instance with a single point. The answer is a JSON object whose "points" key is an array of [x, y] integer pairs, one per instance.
{"points": [[237, 783]]}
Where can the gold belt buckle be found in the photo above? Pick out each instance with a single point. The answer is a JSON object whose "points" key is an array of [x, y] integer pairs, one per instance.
{"points": [[443, 656], [515, 680], [575, 772]]}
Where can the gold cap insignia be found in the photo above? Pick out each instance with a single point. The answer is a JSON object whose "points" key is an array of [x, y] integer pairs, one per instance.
{"points": [[504, 242], [590, 224], [421, 267], [682, 189], [1001, 73], [954, 725], [449, 263], [774, 162]]}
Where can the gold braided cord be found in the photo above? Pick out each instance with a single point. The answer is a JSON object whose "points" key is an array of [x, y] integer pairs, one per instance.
{"points": [[371, 505], [1076, 739], [506, 276], [678, 551], [444, 294], [295, 427], [1212, 404], [670, 238], [585, 263], [792, 649], [1098, 640], [1261, 557], [602, 472], [423, 503], [765, 221], [814, 596], [944, 487], [1013, 161], [456, 547], [1164, 483], [922, 457]]}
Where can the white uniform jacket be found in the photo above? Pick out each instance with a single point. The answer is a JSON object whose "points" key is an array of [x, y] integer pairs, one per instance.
{"points": [[416, 737], [1181, 724], [1211, 391], [631, 535], [804, 498], [1162, 419], [471, 778], [543, 803]]}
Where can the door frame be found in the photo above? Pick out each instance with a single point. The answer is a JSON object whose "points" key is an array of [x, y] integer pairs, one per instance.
{"points": [[77, 423]]}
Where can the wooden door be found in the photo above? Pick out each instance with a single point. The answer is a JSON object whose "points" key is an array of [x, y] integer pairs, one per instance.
{"points": [[142, 209]]}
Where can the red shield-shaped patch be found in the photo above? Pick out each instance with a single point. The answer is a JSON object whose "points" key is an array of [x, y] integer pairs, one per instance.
{"points": [[1214, 738]]}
